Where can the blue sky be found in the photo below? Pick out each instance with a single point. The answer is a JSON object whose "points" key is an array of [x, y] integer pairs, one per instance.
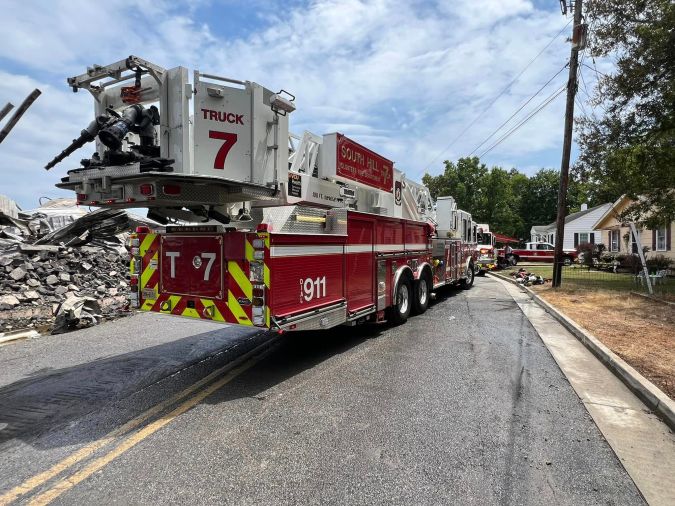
{"points": [[403, 78]]}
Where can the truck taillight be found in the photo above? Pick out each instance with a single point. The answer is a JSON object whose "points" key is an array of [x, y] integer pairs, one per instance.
{"points": [[146, 189], [257, 272], [82, 196], [134, 296], [171, 189], [258, 309]]}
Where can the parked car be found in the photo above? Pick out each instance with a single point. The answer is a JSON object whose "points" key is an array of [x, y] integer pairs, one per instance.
{"points": [[536, 252]]}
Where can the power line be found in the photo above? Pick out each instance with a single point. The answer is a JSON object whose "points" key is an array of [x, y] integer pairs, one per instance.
{"points": [[581, 106], [518, 110], [532, 114], [498, 96], [595, 69]]}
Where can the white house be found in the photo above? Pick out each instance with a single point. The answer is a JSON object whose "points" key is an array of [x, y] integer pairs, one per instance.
{"points": [[579, 227]]}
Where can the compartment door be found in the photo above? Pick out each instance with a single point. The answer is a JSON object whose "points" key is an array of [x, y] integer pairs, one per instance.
{"points": [[192, 265], [360, 271]]}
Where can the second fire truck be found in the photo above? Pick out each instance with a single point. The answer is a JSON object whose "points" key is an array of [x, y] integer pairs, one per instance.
{"points": [[276, 231]]}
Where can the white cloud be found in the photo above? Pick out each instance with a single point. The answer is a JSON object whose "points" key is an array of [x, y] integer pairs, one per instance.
{"points": [[402, 77]]}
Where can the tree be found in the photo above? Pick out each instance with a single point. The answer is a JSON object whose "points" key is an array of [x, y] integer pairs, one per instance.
{"points": [[631, 149], [502, 201], [462, 181], [539, 200]]}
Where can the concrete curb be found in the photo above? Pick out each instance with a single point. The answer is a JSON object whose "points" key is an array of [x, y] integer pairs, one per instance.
{"points": [[650, 394]]}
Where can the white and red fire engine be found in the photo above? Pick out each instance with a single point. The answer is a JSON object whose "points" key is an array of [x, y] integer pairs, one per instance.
{"points": [[486, 255], [286, 232]]}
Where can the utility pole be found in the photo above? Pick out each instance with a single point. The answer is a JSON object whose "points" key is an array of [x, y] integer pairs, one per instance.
{"points": [[578, 37]]}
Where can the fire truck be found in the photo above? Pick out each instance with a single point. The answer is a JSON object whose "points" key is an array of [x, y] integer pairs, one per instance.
{"points": [[259, 227], [486, 257]]}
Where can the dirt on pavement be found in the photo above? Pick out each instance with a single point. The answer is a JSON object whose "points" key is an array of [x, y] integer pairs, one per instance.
{"points": [[640, 331]]}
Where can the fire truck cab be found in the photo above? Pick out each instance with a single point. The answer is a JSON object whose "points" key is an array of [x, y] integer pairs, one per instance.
{"points": [[486, 254], [260, 227]]}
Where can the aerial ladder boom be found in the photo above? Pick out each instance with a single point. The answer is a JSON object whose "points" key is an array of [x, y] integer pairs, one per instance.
{"points": [[218, 148]]}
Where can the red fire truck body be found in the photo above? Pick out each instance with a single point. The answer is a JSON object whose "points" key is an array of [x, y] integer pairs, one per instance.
{"points": [[296, 281], [291, 232]]}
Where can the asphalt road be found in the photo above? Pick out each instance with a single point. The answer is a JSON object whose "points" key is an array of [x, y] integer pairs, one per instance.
{"points": [[463, 405]]}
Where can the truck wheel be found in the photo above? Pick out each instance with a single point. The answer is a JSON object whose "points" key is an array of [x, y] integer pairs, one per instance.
{"points": [[567, 260], [513, 260], [468, 281], [421, 298], [401, 310]]}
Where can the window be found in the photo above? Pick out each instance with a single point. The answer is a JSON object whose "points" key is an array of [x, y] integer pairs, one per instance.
{"points": [[661, 239], [583, 237], [632, 243], [614, 240], [544, 247]]}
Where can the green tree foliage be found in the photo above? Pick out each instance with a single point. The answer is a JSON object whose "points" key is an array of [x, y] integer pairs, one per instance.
{"points": [[463, 181], [509, 201], [631, 149]]}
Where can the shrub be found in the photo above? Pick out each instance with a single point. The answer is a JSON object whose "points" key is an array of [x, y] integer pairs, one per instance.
{"points": [[632, 262], [586, 251], [659, 262]]}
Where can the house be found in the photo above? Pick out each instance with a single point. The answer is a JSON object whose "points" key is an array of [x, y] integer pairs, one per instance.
{"points": [[618, 239], [579, 227]]}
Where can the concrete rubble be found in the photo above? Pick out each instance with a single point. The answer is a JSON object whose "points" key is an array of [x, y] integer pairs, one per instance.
{"points": [[63, 268]]}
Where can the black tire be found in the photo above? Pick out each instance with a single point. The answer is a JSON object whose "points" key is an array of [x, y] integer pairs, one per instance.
{"points": [[512, 260], [481, 273], [400, 311], [567, 260], [468, 281], [422, 291]]}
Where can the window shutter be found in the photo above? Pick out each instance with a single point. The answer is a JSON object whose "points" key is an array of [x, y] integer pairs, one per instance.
{"points": [[576, 239], [668, 229], [654, 240], [591, 237]]}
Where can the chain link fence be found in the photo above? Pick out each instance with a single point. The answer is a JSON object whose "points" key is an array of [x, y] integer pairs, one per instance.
{"points": [[619, 275], [625, 274]]}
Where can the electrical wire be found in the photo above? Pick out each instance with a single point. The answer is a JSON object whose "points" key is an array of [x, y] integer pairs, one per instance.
{"points": [[531, 115], [519, 109], [594, 69], [452, 142]]}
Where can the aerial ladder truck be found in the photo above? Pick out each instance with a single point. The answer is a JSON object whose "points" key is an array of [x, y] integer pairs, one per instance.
{"points": [[258, 226]]}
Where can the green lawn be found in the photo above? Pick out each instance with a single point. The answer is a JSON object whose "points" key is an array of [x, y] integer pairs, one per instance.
{"points": [[580, 276]]}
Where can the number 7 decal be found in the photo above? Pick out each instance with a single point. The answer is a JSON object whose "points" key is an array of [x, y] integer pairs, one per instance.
{"points": [[229, 140]]}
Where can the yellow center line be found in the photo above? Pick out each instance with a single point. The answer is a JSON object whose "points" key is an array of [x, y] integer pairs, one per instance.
{"points": [[69, 482], [89, 449]]}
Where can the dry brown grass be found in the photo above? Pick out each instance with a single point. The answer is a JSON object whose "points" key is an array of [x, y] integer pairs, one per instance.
{"points": [[640, 331]]}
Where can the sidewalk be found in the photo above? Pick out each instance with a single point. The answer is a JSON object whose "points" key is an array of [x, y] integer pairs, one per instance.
{"points": [[642, 442]]}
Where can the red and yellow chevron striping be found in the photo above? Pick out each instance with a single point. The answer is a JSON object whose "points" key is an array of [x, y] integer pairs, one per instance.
{"points": [[234, 307]]}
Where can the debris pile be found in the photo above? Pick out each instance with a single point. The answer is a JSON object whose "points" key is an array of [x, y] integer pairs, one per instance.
{"points": [[63, 269], [526, 278]]}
